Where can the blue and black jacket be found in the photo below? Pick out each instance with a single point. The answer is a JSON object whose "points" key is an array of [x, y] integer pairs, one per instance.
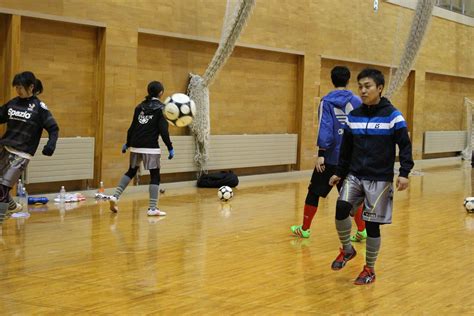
{"points": [[368, 146], [333, 111]]}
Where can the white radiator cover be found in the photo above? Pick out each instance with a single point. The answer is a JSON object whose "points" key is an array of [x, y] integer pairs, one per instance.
{"points": [[73, 159], [444, 141], [232, 151]]}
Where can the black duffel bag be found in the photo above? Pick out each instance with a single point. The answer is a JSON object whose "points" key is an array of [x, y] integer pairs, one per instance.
{"points": [[218, 179]]}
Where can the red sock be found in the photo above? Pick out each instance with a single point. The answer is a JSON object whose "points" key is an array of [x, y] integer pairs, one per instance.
{"points": [[358, 218], [309, 212]]}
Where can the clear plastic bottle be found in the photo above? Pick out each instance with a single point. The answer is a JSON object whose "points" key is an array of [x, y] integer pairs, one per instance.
{"points": [[101, 187], [62, 194], [23, 200], [19, 187]]}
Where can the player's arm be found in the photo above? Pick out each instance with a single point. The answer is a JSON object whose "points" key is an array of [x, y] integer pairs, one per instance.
{"points": [[50, 125], [132, 128], [4, 113], [404, 153], [326, 125], [165, 135], [345, 155], [325, 134]]}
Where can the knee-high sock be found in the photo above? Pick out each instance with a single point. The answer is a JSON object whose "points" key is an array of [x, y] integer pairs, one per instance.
{"points": [[154, 190], [124, 181], [309, 212], [3, 211], [11, 203], [372, 250], [344, 231], [358, 219]]}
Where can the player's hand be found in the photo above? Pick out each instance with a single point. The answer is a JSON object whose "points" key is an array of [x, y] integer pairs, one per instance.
{"points": [[402, 183], [334, 180], [124, 148], [171, 155], [48, 150], [320, 164]]}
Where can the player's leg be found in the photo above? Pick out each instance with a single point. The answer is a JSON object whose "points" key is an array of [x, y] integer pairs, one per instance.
{"points": [[310, 209], [361, 233], [4, 193], [13, 206], [154, 190], [378, 210], [122, 185], [11, 170], [372, 250], [318, 187], [350, 194]]}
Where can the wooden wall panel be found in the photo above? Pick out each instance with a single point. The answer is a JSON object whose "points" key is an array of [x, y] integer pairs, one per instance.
{"points": [[63, 57], [255, 92], [400, 100], [3, 35], [444, 97], [306, 25]]}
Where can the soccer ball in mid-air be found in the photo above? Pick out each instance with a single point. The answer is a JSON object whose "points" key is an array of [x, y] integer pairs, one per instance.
{"points": [[179, 110], [469, 204], [225, 193]]}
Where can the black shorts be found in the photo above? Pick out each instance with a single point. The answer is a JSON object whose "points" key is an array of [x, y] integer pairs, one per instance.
{"points": [[320, 181]]}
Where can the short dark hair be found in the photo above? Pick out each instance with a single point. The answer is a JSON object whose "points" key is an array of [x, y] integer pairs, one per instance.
{"points": [[340, 76], [154, 89], [374, 74], [26, 79]]}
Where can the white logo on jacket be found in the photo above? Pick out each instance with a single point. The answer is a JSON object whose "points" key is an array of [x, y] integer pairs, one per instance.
{"points": [[341, 114], [14, 114], [143, 119]]}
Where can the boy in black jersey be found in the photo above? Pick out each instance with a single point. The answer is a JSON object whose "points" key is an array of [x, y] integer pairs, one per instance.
{"points": [[26, 116], [142, 140]]}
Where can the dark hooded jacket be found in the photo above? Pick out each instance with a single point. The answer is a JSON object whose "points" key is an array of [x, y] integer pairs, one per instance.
{"points": [[368, 147], [147, 125], [26, 119], [333, 111]]}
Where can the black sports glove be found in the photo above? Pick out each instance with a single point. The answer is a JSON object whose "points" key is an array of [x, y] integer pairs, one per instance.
{"points": [[48, 150]]}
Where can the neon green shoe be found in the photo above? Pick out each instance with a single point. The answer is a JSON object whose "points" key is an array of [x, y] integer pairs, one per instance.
{"points": [[297, 230], [359, 236]]}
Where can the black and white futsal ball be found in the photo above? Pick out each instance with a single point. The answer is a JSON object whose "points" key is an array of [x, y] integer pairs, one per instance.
{"points": [[376, 5], [469, 204], [179, 110], [225, 193]]}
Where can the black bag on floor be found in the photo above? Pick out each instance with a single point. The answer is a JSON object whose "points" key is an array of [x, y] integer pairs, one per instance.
{"points": [[218, 179]]}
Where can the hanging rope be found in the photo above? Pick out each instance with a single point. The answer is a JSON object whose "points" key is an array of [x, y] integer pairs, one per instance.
{"points": [[396, 45], [419, 26], [236, 16], [467, 152]]}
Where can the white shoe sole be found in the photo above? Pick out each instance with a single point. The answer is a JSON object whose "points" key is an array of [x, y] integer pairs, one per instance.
{"points": [[156, 213]]}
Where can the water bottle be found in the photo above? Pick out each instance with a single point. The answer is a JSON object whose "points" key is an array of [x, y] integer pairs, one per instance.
{"points": [[37, 200], [62, 194], [19, 187], [101, 187], [23, 198]]}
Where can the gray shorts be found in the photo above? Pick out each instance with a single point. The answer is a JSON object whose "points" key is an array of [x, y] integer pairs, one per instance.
{"points": [[11, 167], [150, 161], [376, 195]]}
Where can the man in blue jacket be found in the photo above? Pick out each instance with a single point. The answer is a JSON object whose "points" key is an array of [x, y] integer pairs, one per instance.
{"points": [[366, 163], [333, 111]]}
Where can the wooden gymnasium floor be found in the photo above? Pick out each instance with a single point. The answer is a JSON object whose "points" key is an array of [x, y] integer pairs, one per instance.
{"points": [[211, 258]]}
